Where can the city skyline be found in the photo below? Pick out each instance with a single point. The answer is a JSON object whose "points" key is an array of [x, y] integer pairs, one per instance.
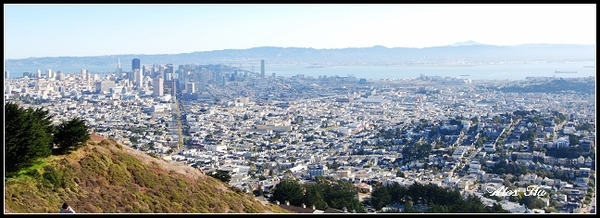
{"points": [[91, 30]]}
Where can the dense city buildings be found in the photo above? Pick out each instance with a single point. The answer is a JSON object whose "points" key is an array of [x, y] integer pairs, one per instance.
{"points": [[458, 133]]}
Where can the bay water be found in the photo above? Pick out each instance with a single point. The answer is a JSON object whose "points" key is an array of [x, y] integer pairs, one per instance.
{"points": [[512, 71]]}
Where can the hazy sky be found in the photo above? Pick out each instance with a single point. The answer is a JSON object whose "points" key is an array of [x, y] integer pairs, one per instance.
{"points": [[90, 30]]}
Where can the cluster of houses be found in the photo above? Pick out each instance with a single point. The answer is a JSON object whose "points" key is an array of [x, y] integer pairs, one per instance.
{"points": [[334, 129]]}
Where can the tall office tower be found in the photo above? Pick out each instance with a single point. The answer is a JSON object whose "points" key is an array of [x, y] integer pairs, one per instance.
{"points": [[153, 71], [223, 79], [168, 76], [130, 77], [138, 78], [6, 74], [183, 74], [38, 73], [48, 73], [135, 64], [169, 70], [83, 74], [119, 70], [174, 88], [205, 75], [161, 71], [60, 75], [262, 68], [145, 70], [190, 88], [158, 86], [88, 77]]}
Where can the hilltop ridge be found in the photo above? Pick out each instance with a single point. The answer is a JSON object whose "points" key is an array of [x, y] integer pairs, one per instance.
{"points": [[106, 177], [468, 52]]}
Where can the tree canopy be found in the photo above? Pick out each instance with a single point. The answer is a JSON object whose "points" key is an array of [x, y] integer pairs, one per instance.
{"points": [[323, 194], [70, 135], [288, 189], [431, 198], [221, 175], [30, 135]]}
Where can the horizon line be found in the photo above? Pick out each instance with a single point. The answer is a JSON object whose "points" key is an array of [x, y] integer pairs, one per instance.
{"points": [[458, 44]]}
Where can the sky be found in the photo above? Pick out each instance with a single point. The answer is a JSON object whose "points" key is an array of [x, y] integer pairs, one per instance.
{"points": [[54, 30]]}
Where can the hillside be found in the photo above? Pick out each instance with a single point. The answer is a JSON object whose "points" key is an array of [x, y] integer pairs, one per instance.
{"points": [[105, 177]]}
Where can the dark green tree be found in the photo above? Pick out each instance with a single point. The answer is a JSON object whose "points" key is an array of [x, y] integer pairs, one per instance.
{"points": [[397, 192], [475, 120], [258, 192], [299, 119], [497, 208], [288, 189], [314, 196], [585, 126], [380, 197], [431, 198], [27, 134], [221, 175], [573, 139], [340, 194], [533, 202], [70, 135], [44, 118]]}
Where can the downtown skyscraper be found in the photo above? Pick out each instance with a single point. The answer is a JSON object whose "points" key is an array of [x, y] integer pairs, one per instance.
{"points": [[135, 64], [262, 68]]}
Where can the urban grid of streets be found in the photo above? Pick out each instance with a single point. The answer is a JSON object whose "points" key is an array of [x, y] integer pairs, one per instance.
{"points": [[241, 121]]}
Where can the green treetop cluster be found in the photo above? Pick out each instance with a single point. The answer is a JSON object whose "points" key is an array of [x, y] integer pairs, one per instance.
{"points": [[30, 135]]}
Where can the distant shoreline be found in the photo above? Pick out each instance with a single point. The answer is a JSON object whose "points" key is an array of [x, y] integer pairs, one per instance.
{"points": [[476, 71], [327, 65]]}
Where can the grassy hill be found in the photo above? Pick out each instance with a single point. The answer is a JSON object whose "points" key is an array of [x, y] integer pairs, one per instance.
{"points": [[105, 177]]}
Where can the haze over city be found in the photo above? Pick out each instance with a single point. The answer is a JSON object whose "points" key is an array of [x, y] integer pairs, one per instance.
{"points": [[300, 109], [94, 30]]}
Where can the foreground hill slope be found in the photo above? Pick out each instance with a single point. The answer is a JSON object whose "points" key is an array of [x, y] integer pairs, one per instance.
{"points": [[105, 177]]}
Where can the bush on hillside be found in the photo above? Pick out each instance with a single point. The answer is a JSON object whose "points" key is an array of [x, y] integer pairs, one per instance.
{"points": [[70, 135]]}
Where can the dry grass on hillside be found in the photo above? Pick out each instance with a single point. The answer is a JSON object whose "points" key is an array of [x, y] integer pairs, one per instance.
{"points": [[106, 177], [147, 159]]}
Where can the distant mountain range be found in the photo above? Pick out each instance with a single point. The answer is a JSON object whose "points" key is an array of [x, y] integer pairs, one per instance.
{"points": [[459, 53], [471, 42]]}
